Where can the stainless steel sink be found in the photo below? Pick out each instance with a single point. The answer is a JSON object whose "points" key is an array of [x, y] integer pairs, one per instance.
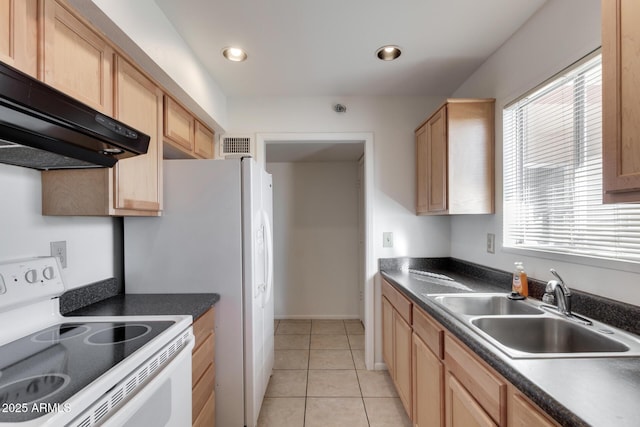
{"points": [[549, 335], [486, 304], [522, 329]]}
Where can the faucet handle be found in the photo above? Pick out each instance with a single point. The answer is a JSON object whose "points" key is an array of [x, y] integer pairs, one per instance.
{"points": [[555, 273]]}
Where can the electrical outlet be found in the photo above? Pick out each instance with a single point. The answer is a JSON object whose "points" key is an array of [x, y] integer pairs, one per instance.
{"points": [[491, 243], [387, 239], [59, 250]]}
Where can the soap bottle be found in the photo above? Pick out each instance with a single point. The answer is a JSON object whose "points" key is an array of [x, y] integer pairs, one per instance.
{"points": [[519, 284]]}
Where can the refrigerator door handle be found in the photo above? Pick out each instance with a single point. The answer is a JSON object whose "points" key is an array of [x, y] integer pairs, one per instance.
{"points": [[268, 255]]}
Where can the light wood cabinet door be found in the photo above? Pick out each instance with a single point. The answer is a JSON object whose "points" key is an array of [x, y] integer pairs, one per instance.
{"points": [[522, 413], [138, 180], [462, 410], [19, 35], [203, 375], [387, 335], [428, 386], [179, 125], [203, 141], [437, 162], [422, 159], [76, 60], [455, 159], [402, 361], [620, 103]]}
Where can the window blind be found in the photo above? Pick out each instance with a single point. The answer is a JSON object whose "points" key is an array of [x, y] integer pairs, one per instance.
{"points": [[553, 172]]}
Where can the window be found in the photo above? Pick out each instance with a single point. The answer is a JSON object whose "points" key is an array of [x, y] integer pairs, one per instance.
{"points": [[553, 172]]}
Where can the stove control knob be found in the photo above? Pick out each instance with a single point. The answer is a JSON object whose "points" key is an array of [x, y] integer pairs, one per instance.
{"points": [[49, 273], [31, 276]]}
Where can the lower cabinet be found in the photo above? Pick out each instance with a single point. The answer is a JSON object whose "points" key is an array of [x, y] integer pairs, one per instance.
{"points": [[397, 352], [462, 409], [440, 381], [402, 359], [396, 342], [484, 386], [524, 413], [428, 382], [203, 371], [387, 334]]}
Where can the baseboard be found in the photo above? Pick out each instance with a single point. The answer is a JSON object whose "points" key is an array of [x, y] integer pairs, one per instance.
{"points": [[379, 366], [318, 317]]}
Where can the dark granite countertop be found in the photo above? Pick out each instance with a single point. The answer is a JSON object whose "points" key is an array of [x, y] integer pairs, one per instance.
{"points": [[574, 391], [149, 304], [107, 298]]}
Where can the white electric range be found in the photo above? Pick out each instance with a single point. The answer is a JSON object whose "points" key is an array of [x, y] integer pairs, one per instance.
{"points": [[86, 371]]}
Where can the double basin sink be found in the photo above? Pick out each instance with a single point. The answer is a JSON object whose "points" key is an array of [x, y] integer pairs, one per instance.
{"points": [[528, 329]]}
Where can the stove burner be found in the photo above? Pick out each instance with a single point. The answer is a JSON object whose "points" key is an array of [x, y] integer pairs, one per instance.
{"points": [[33, 389], [60, 333], [118, 334]]}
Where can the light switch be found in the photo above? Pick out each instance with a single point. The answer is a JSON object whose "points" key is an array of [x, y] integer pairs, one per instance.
{"points": [[387, 239]]}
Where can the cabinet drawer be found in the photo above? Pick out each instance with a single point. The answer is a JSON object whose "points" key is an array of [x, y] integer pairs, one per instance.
{"points": [[203, 327], [202, 358], [202, 391], [397, 300], [486, 388], [429, 331]]}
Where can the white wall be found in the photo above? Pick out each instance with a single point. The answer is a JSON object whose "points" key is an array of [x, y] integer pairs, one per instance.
{"points": [[141, 29], [26, 233], [392, 121], [315, 227], [551, 40]]}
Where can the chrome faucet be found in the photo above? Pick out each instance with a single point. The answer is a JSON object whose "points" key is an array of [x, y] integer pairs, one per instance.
{"points": [[561, 292]]}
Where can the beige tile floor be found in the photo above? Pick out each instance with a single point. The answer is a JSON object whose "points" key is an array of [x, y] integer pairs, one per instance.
{"points": [[319, 379]]}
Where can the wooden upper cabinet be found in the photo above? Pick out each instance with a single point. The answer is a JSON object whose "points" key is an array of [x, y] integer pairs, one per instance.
{"points": [[138, 180], [76, 60], [184, 135], [620, 103], [455, 159], [133, 187], [437, 162], [203, 141], [19, 35], [422, 192], [179, 125]]}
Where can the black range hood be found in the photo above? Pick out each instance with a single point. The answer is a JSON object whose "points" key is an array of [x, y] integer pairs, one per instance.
{"points": [[42, 128]]}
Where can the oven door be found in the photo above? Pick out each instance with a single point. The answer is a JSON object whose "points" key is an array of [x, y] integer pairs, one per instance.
{"points": [[163, 401]]}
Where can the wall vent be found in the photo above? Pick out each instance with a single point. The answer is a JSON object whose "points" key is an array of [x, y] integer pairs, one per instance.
{"points": [[236, 146]]}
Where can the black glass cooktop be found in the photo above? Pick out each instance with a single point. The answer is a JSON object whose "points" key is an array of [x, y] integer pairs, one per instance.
{"points": [[38, 373]]}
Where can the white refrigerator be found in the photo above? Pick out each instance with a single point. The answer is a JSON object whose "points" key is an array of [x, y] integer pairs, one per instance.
{"points": [[215, 235]]}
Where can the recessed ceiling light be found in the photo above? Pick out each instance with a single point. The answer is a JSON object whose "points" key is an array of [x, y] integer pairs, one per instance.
{"points": [[388, 53], [234, 54]]}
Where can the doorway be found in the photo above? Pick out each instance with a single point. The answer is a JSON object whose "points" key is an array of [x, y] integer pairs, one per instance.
{"points": [[331, 148]]}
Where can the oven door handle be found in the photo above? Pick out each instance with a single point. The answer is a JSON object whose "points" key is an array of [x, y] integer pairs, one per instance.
{"points": [[150, 400]]}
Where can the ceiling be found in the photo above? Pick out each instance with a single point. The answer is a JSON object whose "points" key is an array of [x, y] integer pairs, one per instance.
{"points": [[327, 47], [317, 151]]}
